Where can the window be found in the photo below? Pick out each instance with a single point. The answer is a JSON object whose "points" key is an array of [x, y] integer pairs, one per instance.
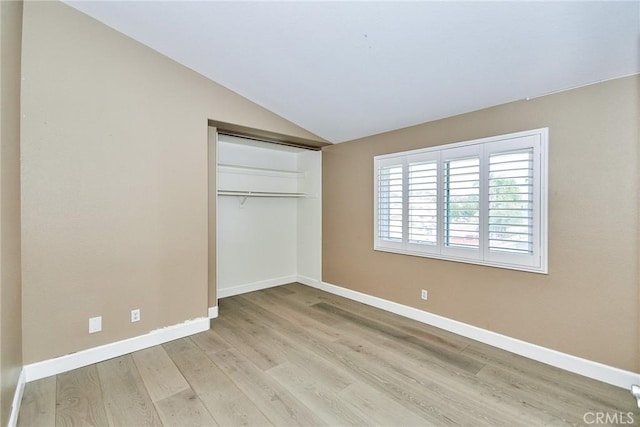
{"points": [[481, 201]]}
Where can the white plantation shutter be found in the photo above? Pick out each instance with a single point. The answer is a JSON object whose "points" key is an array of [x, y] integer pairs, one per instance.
{"points": [[462, 202], [511, 202], [423, 203], [481, 201], [390, 205], [516, 202]]}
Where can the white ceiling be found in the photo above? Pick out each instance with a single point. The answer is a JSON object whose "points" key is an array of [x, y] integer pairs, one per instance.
{"points": [[344, 70]]}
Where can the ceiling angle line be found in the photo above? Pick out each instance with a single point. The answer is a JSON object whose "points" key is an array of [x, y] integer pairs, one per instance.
{"points": [[529, 98]]}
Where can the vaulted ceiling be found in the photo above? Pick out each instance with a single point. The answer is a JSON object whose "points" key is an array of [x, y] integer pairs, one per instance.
{"points": [[345, 70]]}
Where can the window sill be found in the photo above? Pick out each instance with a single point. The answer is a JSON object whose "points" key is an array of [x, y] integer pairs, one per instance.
{"points": [[524, 268]]}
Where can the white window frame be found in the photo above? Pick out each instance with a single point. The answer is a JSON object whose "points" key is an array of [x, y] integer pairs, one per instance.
{"points": [[537, 140]]}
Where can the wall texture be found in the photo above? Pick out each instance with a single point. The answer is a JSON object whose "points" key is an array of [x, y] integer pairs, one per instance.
{"points": [[10, 286], [114, 182], [588, 304]]}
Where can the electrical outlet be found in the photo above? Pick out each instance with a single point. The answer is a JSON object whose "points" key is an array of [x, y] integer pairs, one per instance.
{"points": [[95, 324], [424, 295], [135, 315]]}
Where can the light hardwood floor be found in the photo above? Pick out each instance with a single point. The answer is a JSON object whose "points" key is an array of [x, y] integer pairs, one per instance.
{"points": [[294, 355]]}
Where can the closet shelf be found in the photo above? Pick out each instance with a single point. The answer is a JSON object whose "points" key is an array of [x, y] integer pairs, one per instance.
{"points": [[252, 170], [244, 193]]}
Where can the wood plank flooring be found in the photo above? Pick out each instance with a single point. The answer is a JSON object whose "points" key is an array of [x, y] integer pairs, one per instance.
{"points": [[294, 355]]}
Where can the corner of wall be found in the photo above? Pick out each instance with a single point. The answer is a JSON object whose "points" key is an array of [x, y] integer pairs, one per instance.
{"points": [[11, 369]]}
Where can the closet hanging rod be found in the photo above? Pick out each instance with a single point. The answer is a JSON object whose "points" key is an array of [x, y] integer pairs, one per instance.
{"points": [[259, 193]]}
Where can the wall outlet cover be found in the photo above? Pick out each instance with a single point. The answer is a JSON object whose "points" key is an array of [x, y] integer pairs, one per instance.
{"points": [[95, 324]]}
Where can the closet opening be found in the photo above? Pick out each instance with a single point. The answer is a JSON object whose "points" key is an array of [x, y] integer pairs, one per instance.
{"points": [[267, 213]]}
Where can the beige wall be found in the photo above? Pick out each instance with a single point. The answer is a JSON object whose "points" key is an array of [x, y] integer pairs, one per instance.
{"points": [[114, 182], [10, 288], [588, 303]]}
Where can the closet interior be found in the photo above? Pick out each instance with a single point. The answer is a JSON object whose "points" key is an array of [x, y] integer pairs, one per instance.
{"points": [[268, 230]]}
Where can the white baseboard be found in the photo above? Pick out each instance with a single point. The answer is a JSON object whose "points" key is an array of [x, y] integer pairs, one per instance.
{"points": [[578, 365], [213, 312], [255, 286], [314, 283], [65, 363], [17, 400]]}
